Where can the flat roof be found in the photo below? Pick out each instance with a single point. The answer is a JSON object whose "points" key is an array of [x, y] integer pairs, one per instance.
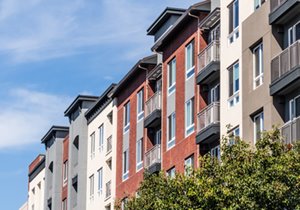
{"points": [[52, 131], [77, 101]]}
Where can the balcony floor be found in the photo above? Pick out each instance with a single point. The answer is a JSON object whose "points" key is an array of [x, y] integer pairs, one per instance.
{"points": [[209, 73], [208, 134], [153, 119]]}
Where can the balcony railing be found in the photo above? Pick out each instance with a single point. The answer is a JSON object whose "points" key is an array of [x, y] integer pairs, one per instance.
{"points": [[291, 131], [208, 116], [108, 189], [153, 103], [276, 3], [285, 61], [152, 156], [109, 144], [209, 54]]}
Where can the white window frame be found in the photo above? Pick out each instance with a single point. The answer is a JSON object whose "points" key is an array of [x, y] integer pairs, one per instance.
{"points": [[189, 114], [293, 30], [65, 172], [215, 92], [139, 151], [171, 172], [140, 105], [125, 162], [261, 119], [258, 3], [127, 117], [188, 165], [92, 186], [292, 108], [172, 87], [64, 204], [234, 34], [171, 130], [259, 77], [101, 137], [235, 132], [92, 145], [158, 137], [189, 58], [216, 152], [100, 180], [234, 98]]}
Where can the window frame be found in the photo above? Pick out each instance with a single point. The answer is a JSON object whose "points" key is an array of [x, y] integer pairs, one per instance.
{"points": [[234, 96], [215, 152], [235, 22], [139, 160], [126, 123], [190, 70], [258, 4], [65, 172], [259, 77], [100, 180], [171, 172], [92, 145], [259, 115], [101, 137], [172, 87], [189, 116], [125, 164], [292, 30], [293, 108], [188, 168], [140, 105], [171, 130], [92, 186]]}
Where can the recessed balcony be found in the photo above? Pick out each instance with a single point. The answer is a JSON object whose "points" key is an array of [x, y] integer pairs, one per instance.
{"points": [[153, 111], [283, 11], [291, 131], [209, 64], [153, 159], [208, 127], [285, 71]]}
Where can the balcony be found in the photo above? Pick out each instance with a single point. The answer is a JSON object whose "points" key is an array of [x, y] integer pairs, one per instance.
{"points": [[209, 63], [283, 11], [285, 71], [208, 127], [291, 131], [108, 190], [153, 111], [153, 159], [108, 145]]}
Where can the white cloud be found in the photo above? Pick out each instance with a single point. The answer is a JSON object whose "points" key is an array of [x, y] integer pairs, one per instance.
{"points": [[35, 30], [28, 114]]}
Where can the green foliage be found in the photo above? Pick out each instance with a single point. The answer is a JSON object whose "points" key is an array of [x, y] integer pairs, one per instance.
{"points": [[265, 178]]}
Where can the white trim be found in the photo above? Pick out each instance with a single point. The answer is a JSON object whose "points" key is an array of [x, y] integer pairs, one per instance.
{"points": [[261, 121], [259, 77]]}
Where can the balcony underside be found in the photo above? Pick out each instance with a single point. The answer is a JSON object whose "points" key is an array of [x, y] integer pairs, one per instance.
{"points": [[153, 120], [209, 73], [209, 134], [154, 168], [286, 83], [285, 12]]}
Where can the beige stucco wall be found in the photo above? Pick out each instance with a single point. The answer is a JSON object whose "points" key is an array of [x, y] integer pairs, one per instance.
{"points": [[37, 198]]}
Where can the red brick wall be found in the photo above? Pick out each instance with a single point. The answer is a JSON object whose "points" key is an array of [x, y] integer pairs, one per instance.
{"points": [[184, 147], [129, 186]]}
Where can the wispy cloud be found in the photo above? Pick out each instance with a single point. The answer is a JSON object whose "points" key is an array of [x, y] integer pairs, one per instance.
{"points": [[27, 115], [35, 30]]}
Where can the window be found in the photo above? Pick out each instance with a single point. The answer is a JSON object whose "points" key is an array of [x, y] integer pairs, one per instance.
{"points": [[92, 137], [215, 94], [215, 152], [171, 172], [139, 154], [258, 126], [189, 59], [125, 164], [65, 172], [188, 165], [171, 130], [189, 116], [140, 105], [126, 117], [100, 180], [158, 137], [294, 33], [294, 108], [101, 137], [258, 3], [123, 203], [92, 186], [258, 65], [64, 204], [234, 85], [172, 75], [214, 34], [234, 133], [233, 20]]}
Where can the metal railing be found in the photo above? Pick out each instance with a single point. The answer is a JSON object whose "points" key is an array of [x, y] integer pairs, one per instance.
{"points": [[291, 131], [153, 103], [153, 156], [285, 61], [275, 4], [208, 116], [209, 54], [108, 189], [109, 144]]}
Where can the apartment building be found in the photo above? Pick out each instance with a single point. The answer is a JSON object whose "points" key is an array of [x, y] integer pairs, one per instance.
{"points": [[179, 46], [36, 184], [78, 151], [101, 159], [131, 137], [53, 141], [65, 172]]}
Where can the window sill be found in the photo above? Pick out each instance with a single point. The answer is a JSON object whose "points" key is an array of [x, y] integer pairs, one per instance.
{"points": [[189, 130], [190, 73], [126, 128], [171, 144], [171, 89], [234, 35], [234, 99]]}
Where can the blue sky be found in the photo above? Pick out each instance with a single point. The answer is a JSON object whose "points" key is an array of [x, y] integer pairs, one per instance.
{"points": [[51, 51]]}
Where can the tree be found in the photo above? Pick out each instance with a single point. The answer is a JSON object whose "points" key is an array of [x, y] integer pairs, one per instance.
{"points": [[267, 177]]}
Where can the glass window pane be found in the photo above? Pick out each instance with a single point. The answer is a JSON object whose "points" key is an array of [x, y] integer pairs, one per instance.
{"points": [[230, 81], [297, 32], [236, 13], [236, 77], [297, 107]]}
